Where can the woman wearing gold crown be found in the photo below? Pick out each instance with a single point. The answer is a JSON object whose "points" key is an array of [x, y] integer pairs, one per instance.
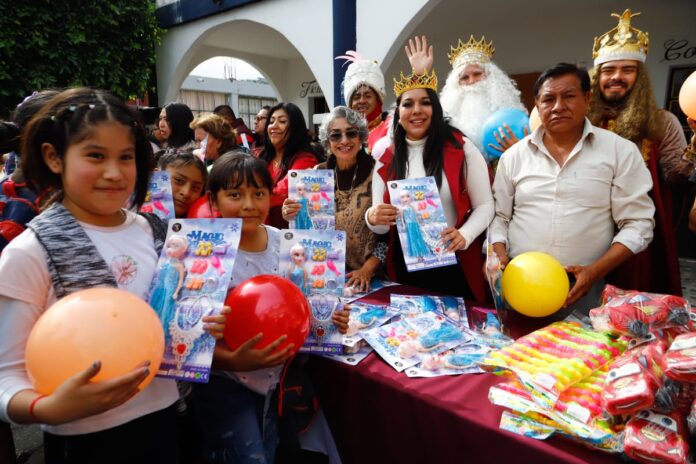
{"points": [[426, 145]]}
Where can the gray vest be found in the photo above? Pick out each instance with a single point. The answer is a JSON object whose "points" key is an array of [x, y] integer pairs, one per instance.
{"points": [[73, 261]]}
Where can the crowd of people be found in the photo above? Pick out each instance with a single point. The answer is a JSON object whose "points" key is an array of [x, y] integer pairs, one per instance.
{"points": [[591, 186]]}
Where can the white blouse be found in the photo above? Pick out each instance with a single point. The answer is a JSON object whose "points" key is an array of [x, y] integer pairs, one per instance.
{"points": [[478, 187]]}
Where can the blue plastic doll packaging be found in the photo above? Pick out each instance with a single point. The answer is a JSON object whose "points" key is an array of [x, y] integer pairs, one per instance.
{"points": [[420, 221], [191, 282], [314, 190], [315, 262], [159, 198]]}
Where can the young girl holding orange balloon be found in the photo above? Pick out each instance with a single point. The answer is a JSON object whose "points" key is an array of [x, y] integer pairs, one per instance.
{"points": [[237, 407], [91, 151]]}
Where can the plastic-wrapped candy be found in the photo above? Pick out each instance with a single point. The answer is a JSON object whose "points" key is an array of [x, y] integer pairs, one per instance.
{"points": [[653, 437], [691, 419], [635, 313], [633, 379], [550, 360], [679, 361]]}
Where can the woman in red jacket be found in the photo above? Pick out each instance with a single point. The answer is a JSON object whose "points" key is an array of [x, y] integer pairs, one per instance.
{"points": [[425, 145], [286, 146]]}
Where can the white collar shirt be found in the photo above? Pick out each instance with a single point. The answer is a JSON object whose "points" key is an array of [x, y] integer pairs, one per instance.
{"points": [[574, 212]]}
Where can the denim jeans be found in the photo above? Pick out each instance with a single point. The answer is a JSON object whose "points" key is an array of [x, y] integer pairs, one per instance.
{"points": [[237, 425]]}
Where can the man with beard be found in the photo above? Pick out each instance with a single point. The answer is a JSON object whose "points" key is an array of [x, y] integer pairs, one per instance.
{"points": [[623, 102], [475, 88]]}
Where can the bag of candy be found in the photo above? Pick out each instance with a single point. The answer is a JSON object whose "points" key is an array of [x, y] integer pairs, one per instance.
{"points": [[636, 314], [550, 360], [633, 379], [653, 437]]}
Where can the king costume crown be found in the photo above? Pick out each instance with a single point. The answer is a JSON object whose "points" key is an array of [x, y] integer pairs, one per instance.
{"points": [[621, 43], [471, 52], [415, 81]]}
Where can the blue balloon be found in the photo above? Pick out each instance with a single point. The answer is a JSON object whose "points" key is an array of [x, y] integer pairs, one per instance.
{"points": [[516, 119]]}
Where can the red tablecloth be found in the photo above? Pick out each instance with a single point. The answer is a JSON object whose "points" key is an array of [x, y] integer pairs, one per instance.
{"points": [[379, 415]]}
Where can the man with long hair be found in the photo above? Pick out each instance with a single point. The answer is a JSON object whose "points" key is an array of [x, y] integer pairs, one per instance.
{"points": [[623, 102]]}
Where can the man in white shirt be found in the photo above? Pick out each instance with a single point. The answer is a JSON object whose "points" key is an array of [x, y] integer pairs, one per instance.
{"points": [[575, 191]]}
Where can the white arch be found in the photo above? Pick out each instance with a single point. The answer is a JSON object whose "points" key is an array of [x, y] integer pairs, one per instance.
{"points": [[278, 38]]}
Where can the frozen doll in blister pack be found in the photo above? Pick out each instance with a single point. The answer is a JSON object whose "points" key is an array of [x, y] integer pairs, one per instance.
{"points": [[417, 248], [170, 279], [302, 220], [297, 272]]}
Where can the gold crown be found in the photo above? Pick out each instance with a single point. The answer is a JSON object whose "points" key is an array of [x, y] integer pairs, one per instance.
{"points": [[621, 43], [415, 81], [471, 52]]}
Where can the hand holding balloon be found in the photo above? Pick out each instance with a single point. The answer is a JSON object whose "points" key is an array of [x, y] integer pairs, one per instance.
{"points": [[79, 396], [506, 138], [584, 278], [248, 358]]}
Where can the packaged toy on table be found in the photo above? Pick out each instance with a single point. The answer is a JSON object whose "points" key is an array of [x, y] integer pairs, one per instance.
{"points": [[553, 358], [451, 307], [314, 260], [419, 224], [313, 189], [191, 282], [635, 313], [691, 419], [679, 361], [633, 379], [463, 359], [486, 323], [653, 437], [406, 342], [364, 317]]}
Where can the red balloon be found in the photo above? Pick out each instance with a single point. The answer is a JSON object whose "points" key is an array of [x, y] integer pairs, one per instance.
{"points": [[268, 304], [201, 209]]}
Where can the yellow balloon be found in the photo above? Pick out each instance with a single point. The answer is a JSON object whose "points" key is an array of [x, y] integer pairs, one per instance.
{"points": [[535, 284]]}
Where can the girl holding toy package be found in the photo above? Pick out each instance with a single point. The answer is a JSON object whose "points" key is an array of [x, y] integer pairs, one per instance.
{"points": [[91, 150], [425, 145], [189, 176], [237, 408]]}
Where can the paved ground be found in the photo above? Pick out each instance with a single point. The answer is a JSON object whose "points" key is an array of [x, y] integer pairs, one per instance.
{"points": [[28, 438]]}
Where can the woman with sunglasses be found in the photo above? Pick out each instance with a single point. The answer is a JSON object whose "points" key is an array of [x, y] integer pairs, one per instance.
{"points": [[425, 145], [286, 147], [344, 135]]}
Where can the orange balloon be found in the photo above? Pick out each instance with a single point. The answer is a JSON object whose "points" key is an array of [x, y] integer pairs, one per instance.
{"points": [[687, 96], [100, 324]]}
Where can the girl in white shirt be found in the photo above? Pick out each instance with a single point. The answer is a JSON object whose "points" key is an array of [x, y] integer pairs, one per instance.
{"points": [[90, 150]]}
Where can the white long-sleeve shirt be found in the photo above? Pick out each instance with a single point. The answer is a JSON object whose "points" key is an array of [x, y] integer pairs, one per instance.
{"points": [[477, 183], [571, 212]]}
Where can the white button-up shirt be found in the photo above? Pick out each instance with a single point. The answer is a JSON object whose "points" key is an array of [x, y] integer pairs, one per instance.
{"points": [[575, 212]]}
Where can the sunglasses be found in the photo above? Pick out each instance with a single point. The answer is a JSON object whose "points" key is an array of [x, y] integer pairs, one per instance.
{"points": [[259, 118], [338, 135]]}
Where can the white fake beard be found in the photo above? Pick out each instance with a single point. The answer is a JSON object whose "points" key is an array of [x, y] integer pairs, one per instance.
{"points": [[468, 106]]}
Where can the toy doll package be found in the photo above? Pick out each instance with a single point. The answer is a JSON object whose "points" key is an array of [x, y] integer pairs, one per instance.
{"points": [[462, 359], [420, 221], [190, 283], [159, 199], [314, 190], [315, 262], [451, 307], [406, 342], [364, 317]]}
